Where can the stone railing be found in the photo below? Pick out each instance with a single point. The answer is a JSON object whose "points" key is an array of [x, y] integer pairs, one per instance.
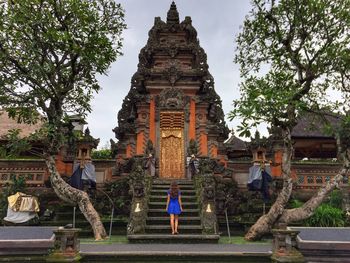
{"points": [[140, 185]]}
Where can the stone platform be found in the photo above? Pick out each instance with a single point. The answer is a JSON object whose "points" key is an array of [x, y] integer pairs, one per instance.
{"points": [[176, 252], [28, 240], [165, 238], [324, 244]]}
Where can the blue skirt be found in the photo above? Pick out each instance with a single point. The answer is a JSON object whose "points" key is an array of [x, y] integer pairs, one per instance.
{"points": [[174, 206]]}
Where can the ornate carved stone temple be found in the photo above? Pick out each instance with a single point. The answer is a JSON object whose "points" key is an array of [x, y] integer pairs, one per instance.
{"points": [[172, 101]]}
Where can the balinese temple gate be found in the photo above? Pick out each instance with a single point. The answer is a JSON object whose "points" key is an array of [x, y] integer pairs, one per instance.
{"points": [[172, 101]]}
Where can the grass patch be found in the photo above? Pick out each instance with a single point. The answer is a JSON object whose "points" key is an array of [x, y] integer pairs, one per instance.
{"points": [[113, 240], [239, 240]]}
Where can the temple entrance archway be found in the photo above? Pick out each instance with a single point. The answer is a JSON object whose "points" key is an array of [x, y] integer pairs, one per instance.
{"points": [[172, 145]]}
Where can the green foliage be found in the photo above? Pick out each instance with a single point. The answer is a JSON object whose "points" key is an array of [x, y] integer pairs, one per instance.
{"points": [[329, 214], [295, 203], [120, 194], [336, 199], [16, 185], [50, 54], [102, 154], [14, 144], [326, 216], [291, 54]]}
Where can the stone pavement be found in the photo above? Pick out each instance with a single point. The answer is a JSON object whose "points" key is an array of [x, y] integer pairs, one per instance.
{"points": [[324, 234], [26, 233], [324, 244], [229, 249], [18, 240], [195, 252]]}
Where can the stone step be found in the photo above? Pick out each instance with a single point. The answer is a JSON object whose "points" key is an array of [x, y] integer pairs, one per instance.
{"points": [[160, 212], [160, 205], [183, 229], [168, 182], [168, 238], [164, 220], [166, 187], [163, 198], [164, 192]]}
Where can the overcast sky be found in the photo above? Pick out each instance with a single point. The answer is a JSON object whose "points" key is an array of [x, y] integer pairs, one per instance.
{"points": [[217, 24]]}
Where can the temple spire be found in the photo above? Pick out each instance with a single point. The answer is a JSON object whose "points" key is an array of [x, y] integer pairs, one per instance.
{"points": [[173, 15]]}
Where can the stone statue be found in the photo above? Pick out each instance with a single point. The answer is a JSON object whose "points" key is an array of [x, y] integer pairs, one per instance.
{"points": [[150, 165], [192, 166]]}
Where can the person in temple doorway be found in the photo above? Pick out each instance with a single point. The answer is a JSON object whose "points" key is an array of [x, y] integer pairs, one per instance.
{"points": [[174, 206]]}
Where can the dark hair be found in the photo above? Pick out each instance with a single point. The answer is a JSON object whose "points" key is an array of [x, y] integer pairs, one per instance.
{"points": [[174, 189]]}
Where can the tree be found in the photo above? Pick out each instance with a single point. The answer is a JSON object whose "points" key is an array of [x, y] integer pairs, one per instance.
{"points": [[292, 53], [50, 54]]}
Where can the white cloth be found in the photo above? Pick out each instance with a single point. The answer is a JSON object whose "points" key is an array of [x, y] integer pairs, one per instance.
{"points": [[18, 217], [88, 172]]}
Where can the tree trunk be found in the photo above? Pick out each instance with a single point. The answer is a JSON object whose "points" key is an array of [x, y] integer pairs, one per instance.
{"points": [[266, 222], [74, 196], [308, 209]]}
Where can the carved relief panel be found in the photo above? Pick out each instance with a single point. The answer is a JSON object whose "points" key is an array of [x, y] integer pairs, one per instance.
{"points": [[172, 164]]}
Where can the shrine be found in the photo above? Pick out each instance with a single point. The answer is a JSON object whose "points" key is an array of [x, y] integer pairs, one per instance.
{"points": [[172, 101]]}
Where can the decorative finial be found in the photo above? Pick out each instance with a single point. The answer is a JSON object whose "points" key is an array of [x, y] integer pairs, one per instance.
{"points": [[173, 15], [87, 131]]}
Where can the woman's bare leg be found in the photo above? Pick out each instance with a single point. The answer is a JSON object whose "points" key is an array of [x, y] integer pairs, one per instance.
{"points": [[176, 223], [172, 224]]}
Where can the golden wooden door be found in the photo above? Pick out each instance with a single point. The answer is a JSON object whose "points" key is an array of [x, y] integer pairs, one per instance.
{"points": [[172, 145]]}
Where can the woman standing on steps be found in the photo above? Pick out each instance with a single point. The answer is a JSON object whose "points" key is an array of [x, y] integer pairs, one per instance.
{"points": [[174, 206]]}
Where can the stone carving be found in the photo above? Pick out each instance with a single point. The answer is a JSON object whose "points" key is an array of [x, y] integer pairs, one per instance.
{"points": [[123, 166], [173, 74], [192, 148], [128, 114], [139, 186], [173, 15], [149, 148], [191, 31], [171, 98], [172, 154], [114, 148], [207, 198], [208, 184]]}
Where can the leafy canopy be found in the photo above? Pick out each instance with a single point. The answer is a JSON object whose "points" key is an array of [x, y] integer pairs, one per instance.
{"points": [[50, 54], [291, 54]]}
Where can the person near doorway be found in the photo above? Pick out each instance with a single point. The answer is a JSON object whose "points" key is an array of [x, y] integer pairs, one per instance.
{"points": [[174, 206]]}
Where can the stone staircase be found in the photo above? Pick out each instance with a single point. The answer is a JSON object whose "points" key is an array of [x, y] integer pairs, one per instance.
{"points": [[158, 223]]}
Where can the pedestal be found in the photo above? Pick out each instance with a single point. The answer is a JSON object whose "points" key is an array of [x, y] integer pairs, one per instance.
{"points": [[284, 246], [66, 247]]}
